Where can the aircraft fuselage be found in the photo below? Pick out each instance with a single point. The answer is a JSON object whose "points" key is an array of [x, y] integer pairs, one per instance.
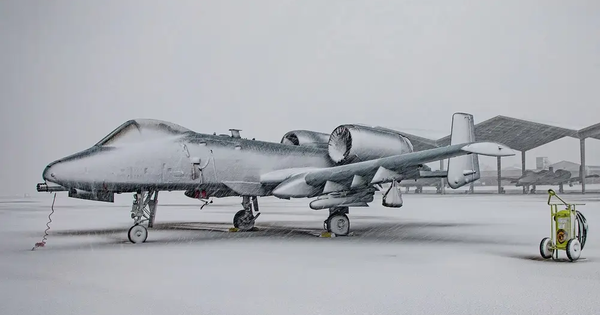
{"points": [[166, 163]]}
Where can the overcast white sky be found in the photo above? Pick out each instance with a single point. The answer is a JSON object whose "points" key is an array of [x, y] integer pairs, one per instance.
{"points": [[72, 71]]}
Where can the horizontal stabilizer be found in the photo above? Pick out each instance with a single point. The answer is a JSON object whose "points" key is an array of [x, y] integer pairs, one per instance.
{"points": [[489, 149]]}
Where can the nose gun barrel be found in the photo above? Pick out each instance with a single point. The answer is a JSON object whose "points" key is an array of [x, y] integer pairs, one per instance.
{"points": [[43, 187]]}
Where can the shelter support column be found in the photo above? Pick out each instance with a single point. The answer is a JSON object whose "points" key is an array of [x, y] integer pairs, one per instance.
{"points": [[442, 180], [523, 168], [499, 165], [582, 172]]}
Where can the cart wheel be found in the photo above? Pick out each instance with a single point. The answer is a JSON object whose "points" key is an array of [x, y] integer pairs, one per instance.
{"points": [[573, 249], [546, 248]]}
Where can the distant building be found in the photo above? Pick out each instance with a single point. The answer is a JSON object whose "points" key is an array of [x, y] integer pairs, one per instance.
{"points": [[541, 163]]}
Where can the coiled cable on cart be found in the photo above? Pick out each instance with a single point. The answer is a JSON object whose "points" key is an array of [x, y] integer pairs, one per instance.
{"points": [[582, 228]]}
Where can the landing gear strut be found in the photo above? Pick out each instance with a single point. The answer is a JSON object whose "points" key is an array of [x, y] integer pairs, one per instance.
{"points": [[245, 218], [338, 222], [143, 210]]}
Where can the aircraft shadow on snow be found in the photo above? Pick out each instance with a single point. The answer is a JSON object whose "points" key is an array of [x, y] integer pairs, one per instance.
{"points": [[200, 232]]}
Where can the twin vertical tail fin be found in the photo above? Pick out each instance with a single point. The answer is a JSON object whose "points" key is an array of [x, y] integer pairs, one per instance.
{"points": [[462, 169]]}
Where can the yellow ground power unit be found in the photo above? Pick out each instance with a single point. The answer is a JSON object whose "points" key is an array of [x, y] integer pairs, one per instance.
{"points": [[568, 230]]}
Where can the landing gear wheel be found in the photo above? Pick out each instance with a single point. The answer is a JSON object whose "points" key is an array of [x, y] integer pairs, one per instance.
{"points": [[573, 249], [243, 220], [338, 224], [137, 234], [546, 248]]}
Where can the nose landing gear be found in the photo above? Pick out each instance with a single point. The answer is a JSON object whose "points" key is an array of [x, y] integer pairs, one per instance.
{"points": [[143, 210]]}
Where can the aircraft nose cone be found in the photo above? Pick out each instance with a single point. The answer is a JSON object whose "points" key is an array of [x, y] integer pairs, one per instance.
{"points": [[48, 173]]}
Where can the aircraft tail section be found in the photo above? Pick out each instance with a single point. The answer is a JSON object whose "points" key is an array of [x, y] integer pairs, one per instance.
{"points": [[462, 169]]}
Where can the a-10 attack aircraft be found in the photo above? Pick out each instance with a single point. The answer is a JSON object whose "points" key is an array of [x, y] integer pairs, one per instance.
{"points": [[339, 170], [546, 177]]}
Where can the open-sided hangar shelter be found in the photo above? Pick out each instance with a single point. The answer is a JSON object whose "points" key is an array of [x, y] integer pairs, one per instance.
{"points": [[521, 135]]}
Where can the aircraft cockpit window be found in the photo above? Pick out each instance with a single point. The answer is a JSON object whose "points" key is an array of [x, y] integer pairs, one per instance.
{"points": [[127, 131], [135, 131], [410, 145]]}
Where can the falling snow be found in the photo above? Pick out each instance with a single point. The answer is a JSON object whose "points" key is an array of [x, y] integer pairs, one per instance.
{"points": [[450, 254]]}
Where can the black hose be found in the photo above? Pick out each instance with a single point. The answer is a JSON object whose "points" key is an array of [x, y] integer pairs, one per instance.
{"points": [[582, 228]]}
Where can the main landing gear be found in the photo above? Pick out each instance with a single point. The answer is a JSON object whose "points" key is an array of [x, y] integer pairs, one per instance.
{"points": [[338, 222], [143, 210], [244, 219]]}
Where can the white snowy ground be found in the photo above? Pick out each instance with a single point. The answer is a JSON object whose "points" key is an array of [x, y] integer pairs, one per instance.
{"points": [[452, 254]]}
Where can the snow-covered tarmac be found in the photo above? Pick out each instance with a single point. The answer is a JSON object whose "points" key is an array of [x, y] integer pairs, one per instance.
{"points": [[451, 254]]}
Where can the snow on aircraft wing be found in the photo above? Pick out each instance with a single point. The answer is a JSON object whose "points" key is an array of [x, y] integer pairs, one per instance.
{"points": [[302, 182]]}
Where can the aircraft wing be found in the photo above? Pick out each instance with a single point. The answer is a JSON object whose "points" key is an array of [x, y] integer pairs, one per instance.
{"points": [[578, 179], [297, 183]]}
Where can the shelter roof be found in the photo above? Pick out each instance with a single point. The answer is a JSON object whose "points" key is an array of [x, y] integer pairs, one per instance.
{"points": [[592, 131], [518, 134]]}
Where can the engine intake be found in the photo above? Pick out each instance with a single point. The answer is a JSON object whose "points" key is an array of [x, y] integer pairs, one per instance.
{"points": [[356, 143]]}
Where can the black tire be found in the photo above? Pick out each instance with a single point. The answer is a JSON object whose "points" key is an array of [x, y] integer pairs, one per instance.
{"points": [[338, 231], [240, 222]]}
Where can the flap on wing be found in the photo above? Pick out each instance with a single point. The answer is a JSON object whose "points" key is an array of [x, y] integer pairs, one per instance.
{"points": [[247, 188]]}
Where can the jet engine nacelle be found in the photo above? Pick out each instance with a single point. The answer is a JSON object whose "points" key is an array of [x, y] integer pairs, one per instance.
{"points": [[356, 143], [306, 138]]}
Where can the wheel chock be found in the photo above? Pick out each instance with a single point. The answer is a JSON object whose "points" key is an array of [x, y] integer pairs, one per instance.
{"points": [[234, 229], [327, 234]]}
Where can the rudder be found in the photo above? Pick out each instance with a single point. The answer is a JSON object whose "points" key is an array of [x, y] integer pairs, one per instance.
{"points": [[462, 169]]}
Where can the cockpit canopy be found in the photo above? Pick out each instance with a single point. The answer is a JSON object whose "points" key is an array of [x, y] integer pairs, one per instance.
{"points": [[138, 130]]}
